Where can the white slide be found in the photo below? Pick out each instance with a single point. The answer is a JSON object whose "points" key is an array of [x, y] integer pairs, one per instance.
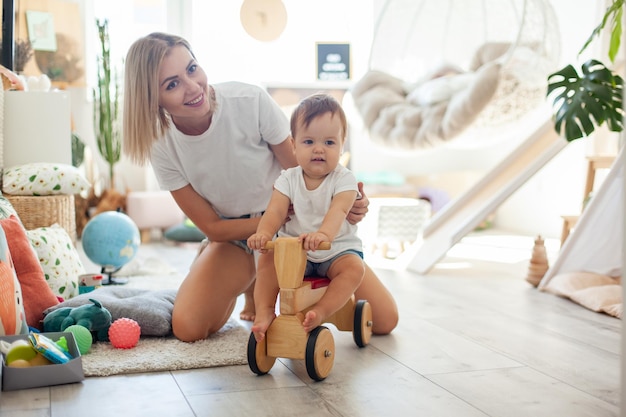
{"points": [[466, 212]]}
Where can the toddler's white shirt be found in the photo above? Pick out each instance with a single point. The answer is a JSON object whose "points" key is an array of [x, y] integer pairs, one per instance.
{"points": [[310, 207]]}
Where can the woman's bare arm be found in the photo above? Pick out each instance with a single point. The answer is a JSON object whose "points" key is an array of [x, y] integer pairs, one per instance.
{"points": [[284, 153], [206, 219]]}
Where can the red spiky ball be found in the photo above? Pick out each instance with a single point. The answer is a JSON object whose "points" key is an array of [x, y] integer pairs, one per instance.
{"points": [[124, 333]]}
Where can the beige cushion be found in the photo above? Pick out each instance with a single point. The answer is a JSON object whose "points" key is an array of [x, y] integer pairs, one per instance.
{"points": [[615, 310], [566, 283], [597, 292], [599, 298], [396, 122]]}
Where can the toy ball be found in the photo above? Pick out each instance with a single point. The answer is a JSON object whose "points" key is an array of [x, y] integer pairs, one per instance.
{"points": [[19, 363], [124, 333], [83, 337], [20, 352], [110, 239]]}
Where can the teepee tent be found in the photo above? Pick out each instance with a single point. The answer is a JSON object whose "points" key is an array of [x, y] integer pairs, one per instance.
{"points": [[595, 245]]}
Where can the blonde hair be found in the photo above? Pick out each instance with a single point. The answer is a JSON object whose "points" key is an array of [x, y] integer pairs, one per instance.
{"points": [[144, 121], [316, 105]]}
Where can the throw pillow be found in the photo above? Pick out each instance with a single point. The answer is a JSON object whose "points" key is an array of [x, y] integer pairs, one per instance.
{"points": [[42, 178], [6, 208], [59, 259], [12, 315], [567, 283], [598, 298], [152, 310], [440, 89], [35, 290]]}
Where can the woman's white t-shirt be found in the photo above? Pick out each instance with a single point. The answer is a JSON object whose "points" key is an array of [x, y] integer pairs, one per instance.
{"points": [[231, 164], [310, 207]]}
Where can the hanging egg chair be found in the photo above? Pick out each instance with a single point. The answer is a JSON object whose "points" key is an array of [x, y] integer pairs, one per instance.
{"points": [[443, 71]]}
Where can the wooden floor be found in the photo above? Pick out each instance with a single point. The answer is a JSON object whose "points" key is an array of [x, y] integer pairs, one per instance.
{"points": [[474, 339]]}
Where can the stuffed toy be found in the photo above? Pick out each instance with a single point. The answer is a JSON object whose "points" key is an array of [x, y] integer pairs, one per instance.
{"points": [[111, 200], [94, 317]]}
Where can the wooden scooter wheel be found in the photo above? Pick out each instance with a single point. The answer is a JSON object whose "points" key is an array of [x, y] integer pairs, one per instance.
{"points": [[258, 361], [320, 353], [362, 329]]}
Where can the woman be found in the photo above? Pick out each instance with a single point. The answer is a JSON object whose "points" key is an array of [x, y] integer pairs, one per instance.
{"points": [[217, 149]]}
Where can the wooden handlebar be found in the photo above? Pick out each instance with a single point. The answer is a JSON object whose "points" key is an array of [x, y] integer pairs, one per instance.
{"points": [[322, 246]]}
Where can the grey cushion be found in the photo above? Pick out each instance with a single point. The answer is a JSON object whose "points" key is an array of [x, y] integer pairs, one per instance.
{"points": [[151, 309]]}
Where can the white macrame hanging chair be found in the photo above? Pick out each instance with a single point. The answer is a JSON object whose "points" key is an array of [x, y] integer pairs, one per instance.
{"points": [[444, 71]]}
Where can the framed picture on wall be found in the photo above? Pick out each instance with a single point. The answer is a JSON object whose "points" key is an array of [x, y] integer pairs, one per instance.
{"points": [[333, 61], [41, 30]]}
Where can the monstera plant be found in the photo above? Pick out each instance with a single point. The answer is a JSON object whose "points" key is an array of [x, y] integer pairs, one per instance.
{"points": [[593, 97]]}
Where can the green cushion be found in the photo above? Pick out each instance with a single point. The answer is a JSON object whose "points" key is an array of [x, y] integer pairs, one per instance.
{"points": [[184, 232]]}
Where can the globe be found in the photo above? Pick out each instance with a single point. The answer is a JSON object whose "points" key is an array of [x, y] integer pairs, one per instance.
{"points": [[110, 239]]}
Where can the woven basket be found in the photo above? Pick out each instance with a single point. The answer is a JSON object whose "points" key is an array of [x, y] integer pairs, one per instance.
{"points": [[43, 211]]}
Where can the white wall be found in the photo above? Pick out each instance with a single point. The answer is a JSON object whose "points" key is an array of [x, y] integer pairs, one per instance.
{"points": [[227, 52]]}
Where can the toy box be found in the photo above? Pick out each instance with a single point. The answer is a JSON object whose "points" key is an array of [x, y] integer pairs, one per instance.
{"points": [[45, 375]]}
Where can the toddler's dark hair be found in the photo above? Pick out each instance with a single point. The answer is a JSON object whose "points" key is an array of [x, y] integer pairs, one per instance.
{"points": [[314, 106]]}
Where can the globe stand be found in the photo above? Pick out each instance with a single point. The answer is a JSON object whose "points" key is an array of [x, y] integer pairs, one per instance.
{"points": [[110, 280]]}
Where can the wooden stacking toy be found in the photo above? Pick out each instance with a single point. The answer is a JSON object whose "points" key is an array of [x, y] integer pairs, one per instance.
{"points": [[538, 263]]}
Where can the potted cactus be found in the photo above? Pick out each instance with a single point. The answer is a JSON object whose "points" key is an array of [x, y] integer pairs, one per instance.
{"points": [[106, 98]]}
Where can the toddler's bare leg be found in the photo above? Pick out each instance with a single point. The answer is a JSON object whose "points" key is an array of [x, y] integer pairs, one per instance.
{"points": [[345, 274], [265, 293]]}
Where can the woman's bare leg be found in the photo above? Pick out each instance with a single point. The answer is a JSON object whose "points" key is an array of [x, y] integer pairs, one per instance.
{"points": [[207, 296], [384, 308], [249, 309]]}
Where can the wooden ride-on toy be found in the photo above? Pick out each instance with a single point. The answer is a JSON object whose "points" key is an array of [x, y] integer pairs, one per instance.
{"points": [[285, 337]]}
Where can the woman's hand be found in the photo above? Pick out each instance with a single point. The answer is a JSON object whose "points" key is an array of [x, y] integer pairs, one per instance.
{"points": [[359, 208]]}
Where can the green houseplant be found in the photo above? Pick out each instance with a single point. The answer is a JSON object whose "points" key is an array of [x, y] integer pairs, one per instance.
{"points": [[106, 98], [593, 97]]}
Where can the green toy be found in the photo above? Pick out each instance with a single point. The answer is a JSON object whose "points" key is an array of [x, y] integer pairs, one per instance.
{"points": [[94, 317], [82, 336]]}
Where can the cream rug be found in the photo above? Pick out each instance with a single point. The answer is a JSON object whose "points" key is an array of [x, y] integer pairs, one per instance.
{"points": [[226, 347]]}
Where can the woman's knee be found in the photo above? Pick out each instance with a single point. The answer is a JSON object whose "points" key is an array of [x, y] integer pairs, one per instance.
{"points": [[189, 330], [384, 324], [191, 324]]}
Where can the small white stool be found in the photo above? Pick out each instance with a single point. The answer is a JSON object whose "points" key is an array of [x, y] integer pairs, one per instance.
{"points": [[153, 210]]}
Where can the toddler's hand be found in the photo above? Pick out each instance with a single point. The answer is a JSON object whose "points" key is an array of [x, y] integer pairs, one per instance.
{"points": [[257, 242], [311, 241]]}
